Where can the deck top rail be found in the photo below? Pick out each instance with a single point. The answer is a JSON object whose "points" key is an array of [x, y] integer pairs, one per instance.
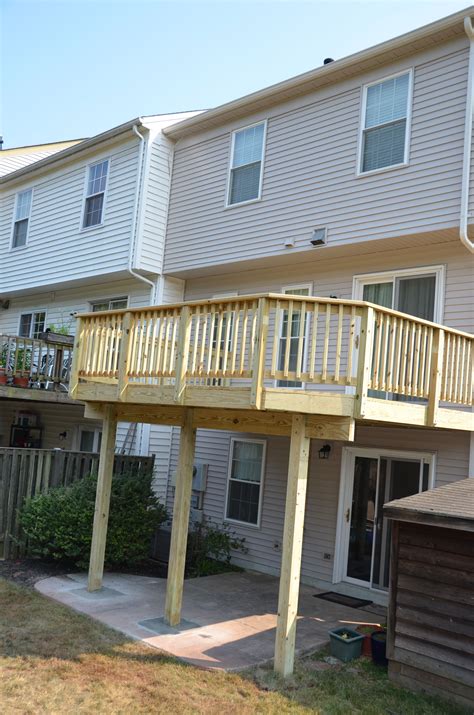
{"points": [[277, 341], [33, 362]]}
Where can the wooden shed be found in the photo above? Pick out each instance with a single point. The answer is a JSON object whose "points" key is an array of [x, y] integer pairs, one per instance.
{"points": [[430, 639]]}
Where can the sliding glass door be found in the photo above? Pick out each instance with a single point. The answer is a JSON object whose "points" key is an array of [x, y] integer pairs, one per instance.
{"points": [[374, 479]]}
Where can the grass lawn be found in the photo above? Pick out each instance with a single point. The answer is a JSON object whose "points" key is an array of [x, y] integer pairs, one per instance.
{"points": [[53, 660]]}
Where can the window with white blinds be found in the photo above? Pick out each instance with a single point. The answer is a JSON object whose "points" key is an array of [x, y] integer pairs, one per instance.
{"points": [[22, 218], [385, 123], [245, 181]]}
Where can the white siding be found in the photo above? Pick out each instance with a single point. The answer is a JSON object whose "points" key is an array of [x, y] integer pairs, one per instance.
{"points": [[58, 250], [309, 174]]}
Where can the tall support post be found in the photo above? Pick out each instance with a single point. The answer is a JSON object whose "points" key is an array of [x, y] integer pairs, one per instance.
{"points": [[179, 530], [292, 547], [364, 368], [102, 499]]}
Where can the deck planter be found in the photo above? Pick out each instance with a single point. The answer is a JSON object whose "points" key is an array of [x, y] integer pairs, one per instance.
{"points": [[21, 380], [348, 648], [379, 645], [3, 376]]}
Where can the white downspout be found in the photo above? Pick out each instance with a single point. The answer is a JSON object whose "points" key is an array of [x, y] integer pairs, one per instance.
{"points": [[136, 214], [468, 123]]}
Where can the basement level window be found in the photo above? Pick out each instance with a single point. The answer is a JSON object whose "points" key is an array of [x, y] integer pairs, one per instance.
{"points": [[112, 304]]}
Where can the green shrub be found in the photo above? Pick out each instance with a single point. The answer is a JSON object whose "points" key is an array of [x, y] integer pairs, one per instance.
{"points": [[58, 525], [210, 549]]}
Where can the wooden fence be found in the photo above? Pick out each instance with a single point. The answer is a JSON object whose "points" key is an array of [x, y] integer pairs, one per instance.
{"points": [[27, 472]]}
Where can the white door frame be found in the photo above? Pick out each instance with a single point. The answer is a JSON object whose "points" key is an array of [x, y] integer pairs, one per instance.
{"points": [[345, 499]]}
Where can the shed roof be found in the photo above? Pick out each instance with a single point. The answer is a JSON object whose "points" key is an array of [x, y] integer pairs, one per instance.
{"points": [[450, 506]]}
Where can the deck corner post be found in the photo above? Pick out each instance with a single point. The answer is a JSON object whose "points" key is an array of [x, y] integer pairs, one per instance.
{"points": [[102, 500], [364, 367], [258, 364], [292, 547], [76, 359], [124, 355], [180, 525], [434, 393], [182, 354]]}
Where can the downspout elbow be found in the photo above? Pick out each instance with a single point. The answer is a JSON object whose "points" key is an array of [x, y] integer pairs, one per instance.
{"points": [[468, 125]]}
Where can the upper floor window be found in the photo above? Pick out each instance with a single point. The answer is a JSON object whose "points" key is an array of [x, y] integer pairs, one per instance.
{"points": [[246, 161], [22, 218], [95, 194], [385, 123], [112, 304], [32, 324]]}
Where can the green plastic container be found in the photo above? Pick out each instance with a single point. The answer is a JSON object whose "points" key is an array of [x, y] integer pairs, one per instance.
{"points": [[345, 649]]}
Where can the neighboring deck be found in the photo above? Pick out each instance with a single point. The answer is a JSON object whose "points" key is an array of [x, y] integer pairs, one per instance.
{"points": [[340, 361]]}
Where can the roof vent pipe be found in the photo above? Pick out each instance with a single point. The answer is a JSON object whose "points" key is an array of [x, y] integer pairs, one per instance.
{"points": [[468, 122], [328, 60]]}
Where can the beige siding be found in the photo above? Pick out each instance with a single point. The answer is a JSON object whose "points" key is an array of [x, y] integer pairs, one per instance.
{"points": [[309, 174]]}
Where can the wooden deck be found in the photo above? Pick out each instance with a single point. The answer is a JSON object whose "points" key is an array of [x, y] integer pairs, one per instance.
{"points": [[275, 354]]}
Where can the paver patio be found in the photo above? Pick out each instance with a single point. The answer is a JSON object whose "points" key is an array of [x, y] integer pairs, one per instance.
{"points": [[228, 621]]}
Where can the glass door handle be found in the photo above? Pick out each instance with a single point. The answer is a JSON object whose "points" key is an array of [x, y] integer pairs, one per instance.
{"points": [[348, 514]]}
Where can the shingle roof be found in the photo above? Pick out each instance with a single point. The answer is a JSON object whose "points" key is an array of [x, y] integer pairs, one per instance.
{"points": [[451, 506]]}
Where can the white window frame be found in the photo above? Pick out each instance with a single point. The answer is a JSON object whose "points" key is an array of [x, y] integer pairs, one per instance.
{"points": [[345, 479], [34, 312], [263, 442], [228, 205], [439, 271], [87, 196], [363, 110], [279, 327], [86, 428], [15, 220], [109, 300]]}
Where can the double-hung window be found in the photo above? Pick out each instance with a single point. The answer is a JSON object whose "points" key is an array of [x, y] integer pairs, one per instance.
{"points": [[385, 123], [32, 324], [22, 218], [95, 194], [245, 480], [90, 440], [246, 164], [112, 304]]}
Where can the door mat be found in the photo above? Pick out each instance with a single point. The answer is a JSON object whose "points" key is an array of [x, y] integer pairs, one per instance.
{"points": [[343, 600]]}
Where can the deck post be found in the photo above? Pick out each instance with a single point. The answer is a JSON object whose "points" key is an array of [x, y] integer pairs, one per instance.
{"points": [[102, 499], [435, 377], [179, 529], [258, 364], [292, 547], [364, 368]]}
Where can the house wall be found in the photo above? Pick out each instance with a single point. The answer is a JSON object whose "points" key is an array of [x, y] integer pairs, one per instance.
{"points": [[58, 249], [309, 175]]}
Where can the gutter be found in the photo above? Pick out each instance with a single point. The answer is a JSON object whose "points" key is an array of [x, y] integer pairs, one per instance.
{"points": [[468, 125], [137, 212]]}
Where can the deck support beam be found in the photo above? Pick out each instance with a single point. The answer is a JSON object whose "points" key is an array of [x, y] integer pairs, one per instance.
{"points": [[179, 530], [292, 547], [102, 499]]}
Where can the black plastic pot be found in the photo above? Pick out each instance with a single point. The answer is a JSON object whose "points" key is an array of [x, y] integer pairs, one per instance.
{"points": [[379, 647]]}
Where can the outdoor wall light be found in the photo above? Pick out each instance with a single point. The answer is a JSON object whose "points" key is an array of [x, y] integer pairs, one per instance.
{"points": [[324, 451], [62, 435]]}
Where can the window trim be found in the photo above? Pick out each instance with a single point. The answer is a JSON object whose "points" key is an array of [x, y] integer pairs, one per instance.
{"points": [[88, 428], [32, 312], [359, 280], [363, 110], [109, 300], [85, 195], [251, 440], [228, 205], [14, 220], [279, 327]]}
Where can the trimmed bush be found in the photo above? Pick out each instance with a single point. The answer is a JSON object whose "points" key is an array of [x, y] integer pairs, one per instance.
{"points": [[58, 524]]}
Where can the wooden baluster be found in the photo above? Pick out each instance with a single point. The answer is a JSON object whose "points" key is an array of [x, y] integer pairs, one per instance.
{"points": [[456, 368], [160, 346], [173, 345], [428, 356], [386, 339], [202, 356], [118, 338], [445, 372], [253, 332], [211, 339], [168, 328], [227, 338], [276, 338], [289, 328], [314, 340], [244, 337], [235, 337], [469, 375], [449, 396], [393, 325], [301, 339], [460, 379], [417, 358], [327, 335], [375, 381], [218, 341], [195, 336], [340, 325], [126, 344]]}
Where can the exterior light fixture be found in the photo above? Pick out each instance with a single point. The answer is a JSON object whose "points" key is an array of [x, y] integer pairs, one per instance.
{"points": [[324, 451]]}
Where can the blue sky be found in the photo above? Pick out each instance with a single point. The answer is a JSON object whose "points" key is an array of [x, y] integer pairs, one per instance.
{"points": [[73, 68]]}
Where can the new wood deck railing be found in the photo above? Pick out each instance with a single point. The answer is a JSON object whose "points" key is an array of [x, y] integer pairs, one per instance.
{"points": [[40, 363], [277, 341]]}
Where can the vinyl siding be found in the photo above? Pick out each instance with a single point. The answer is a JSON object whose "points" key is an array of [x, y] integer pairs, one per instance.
{"points": [[309, 177], [58, 250], [264, 544]]}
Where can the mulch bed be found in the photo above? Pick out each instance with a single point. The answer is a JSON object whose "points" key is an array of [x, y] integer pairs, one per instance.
{"points": [[26, 572]]}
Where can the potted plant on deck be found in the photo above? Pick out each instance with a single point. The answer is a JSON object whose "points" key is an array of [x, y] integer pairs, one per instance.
{"points": [[22, 367]]}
